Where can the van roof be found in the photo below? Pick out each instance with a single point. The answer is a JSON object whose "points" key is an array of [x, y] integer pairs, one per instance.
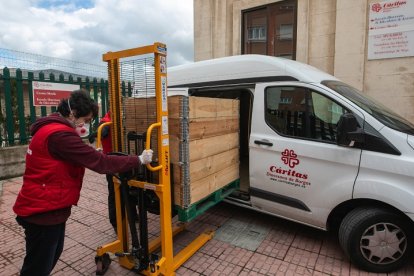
{"points": [[243, 68]]}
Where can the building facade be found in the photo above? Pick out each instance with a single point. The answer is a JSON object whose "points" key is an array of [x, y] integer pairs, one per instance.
{"points": [[336, 36]]}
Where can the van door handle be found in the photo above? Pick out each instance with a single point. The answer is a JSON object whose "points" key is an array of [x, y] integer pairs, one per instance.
{"points": [[258, 142]]}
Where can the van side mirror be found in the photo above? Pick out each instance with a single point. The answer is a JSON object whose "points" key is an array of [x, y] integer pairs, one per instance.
{"points": [[348, 131]]}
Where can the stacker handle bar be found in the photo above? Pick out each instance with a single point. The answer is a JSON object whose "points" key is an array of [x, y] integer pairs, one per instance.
{"points": [[99, 135], [148, 146]]}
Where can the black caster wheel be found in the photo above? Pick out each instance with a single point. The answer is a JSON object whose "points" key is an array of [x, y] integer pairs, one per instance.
{"points": [[102, 263]]}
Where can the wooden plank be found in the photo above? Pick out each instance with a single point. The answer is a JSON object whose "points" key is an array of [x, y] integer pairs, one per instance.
{"points": [[226, 176], [197, 190], [203, 148], [207, 166], [203, 107], [132, 124], [176, 174], [212, 164], [174, 150], [204, 127], [178, 193], [139, 106], [199, 149], [205, 186], [175, 107], [200, 107], [228, 108]]}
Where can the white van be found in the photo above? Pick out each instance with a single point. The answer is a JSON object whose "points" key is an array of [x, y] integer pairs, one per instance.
{"points": [[317, 151]]}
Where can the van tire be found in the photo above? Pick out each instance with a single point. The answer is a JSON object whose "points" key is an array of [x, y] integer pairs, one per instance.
{"points": [[361, 224]]}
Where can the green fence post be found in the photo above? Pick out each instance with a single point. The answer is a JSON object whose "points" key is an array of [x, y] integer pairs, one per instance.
{"points": [[9, 106], [20, 107], [61, 80], [32, 107], [42, 108], [52, 78], [88, 85], [79, 80], [95, 90]]}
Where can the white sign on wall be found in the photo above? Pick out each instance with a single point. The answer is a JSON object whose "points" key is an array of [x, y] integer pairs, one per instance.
{"points": [[391, 29], [50, 94]]}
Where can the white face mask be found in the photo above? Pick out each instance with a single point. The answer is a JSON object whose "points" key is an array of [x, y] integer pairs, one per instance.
{"points": [[83, 129]]}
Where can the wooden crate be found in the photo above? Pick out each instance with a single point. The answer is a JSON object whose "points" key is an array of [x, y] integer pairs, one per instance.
{"points": [[204, 142]]}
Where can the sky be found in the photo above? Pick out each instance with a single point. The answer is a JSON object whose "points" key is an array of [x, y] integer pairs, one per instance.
{"points": [[83, 30]]}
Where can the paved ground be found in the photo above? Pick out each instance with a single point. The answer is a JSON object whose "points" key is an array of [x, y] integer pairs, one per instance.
{"points": [[276, 247]]}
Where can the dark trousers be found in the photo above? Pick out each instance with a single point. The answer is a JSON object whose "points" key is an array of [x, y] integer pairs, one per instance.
{"points": [[111, 203], [44, 245]]}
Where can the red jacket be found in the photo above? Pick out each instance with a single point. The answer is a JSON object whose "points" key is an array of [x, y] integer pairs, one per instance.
{"points": [[107, 141], [57, 158], [43, 188]]}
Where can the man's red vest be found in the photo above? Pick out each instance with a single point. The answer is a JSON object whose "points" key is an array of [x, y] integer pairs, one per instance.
{"points": [[107, 141], [48, 184]]}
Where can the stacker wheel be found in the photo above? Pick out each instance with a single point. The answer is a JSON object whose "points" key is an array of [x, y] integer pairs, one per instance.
{"points": [[102, 263]]}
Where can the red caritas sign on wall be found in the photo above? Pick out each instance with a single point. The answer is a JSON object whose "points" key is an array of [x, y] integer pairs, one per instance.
{"points": [[391, 29], [50, 94]]}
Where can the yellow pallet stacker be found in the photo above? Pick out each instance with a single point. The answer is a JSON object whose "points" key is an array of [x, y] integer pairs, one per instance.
{"points": [[140, 255]]}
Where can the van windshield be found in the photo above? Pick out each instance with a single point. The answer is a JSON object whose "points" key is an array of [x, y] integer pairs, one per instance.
{"points": [[377, 110]]}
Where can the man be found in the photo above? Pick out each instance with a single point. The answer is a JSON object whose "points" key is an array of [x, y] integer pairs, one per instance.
{"points": [[55, 164]]}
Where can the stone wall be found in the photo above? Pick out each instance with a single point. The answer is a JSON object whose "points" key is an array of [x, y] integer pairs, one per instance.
{"points": [[12, 161]]}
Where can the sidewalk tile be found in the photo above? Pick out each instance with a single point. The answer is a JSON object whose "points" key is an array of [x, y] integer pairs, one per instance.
{"points": [[301, 257], [332, 266]]}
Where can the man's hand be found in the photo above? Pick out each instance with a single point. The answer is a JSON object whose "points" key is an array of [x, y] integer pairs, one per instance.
{"points": [[146, 157]]}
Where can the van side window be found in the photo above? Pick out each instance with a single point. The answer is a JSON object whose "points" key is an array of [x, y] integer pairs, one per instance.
{"points": [[300, 112]]}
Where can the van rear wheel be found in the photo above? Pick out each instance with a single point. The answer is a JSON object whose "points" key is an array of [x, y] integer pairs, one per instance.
{"points": [[376, 239]]}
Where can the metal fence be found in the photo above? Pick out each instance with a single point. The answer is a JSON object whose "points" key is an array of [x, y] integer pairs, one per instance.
{"points": [[17, 111]]}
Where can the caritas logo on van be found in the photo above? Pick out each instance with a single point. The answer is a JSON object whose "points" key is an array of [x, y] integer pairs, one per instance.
{"points": [[387, 6], [286, 172]]}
